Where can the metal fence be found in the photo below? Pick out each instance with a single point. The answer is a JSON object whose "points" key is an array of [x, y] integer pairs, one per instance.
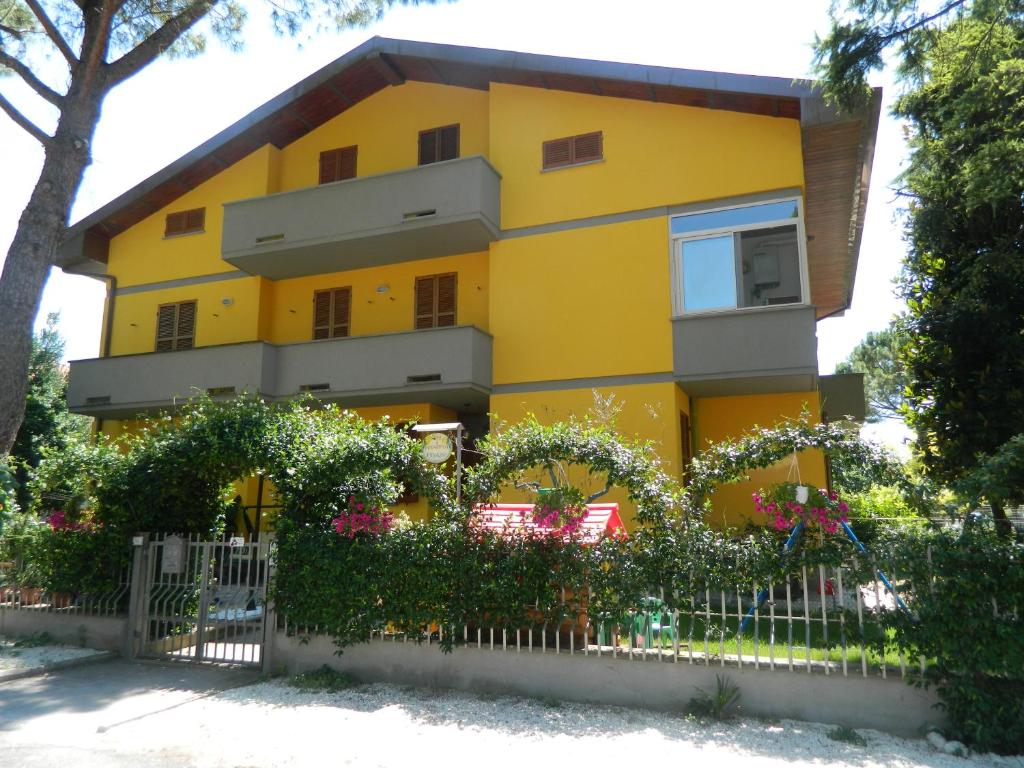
{"points": [[819, 621], [113, 602]]}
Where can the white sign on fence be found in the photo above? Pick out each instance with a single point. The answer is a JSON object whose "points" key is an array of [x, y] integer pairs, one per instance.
{"points": [[174, 555]]}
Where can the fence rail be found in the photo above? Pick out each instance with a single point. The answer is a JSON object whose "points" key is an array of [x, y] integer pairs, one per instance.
{"points": [[113, 602], [821, 620]]}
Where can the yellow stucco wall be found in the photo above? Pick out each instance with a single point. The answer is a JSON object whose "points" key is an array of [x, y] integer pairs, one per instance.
{"points": [[716, 418], [290, 302], [701, 154], [594, 301], [141, 254], [386, 129]]}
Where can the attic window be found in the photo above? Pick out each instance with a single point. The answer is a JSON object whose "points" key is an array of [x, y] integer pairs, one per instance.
{"points": [[185, 222], [573, 150], [338, 164], [437, 144]]}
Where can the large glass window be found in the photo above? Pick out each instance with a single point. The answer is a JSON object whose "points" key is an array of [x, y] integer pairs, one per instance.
{"points": [[747, 256]]}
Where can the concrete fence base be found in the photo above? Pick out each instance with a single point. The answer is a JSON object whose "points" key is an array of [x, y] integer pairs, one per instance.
{"points": [[889, 705], [103, 633]]}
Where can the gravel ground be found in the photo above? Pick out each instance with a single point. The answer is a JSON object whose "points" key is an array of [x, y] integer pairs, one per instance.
{"points": [[28, 656], [272, 724]]}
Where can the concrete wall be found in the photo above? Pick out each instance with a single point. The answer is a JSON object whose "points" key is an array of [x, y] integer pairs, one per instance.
{"points": [[886, 704], [104, 633], [775, 343]]}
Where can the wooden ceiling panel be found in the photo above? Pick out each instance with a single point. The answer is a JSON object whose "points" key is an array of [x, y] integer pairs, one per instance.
{"points": [[624, 90], [415, 68], [570, 83], [520, 77], [686, 97]]}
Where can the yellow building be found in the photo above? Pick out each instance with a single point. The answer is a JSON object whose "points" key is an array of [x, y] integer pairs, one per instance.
{"points": [[443, 233]]}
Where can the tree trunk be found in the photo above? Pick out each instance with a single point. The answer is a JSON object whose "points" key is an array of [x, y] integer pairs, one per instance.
{"points": [[35, 247], [1003, 525]]}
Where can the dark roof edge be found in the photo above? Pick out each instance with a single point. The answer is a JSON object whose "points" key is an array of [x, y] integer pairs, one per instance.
{"points": [[867, 158]]}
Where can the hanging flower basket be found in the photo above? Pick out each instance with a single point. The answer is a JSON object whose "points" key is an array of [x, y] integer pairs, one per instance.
{"points": [[786, 504]]}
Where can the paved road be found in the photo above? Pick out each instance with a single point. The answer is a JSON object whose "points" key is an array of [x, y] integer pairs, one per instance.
{"points": [[72, 717]]}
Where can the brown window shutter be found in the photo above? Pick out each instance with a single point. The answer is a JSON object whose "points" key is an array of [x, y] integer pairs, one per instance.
{"points": [[338, 164], [587, 147], [448, 142], [685, 443], [428, 147], [425, 302], [186, 325], [557, 153], [166, 322], [446, 300], [341, 312], [322, 315], [185, 222]]}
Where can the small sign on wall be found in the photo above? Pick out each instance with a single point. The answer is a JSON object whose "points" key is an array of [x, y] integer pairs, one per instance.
{"points": [[174, 555]]}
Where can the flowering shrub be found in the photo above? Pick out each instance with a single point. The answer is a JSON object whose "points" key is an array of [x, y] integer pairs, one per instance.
{"points": [[59, 520], [355, 516], [561, 509], [786, 504]]}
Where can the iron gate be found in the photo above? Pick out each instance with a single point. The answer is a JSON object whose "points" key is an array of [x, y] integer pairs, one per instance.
{"points": [[205, 601]]}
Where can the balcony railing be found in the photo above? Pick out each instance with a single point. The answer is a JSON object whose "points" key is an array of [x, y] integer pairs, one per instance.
{"points": [[751, 351], [433, 210], [445, 366]]}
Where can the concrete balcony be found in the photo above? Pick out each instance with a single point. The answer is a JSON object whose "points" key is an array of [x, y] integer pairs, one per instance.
{"points": [[419, 213], [746, 352], [446, 366]]}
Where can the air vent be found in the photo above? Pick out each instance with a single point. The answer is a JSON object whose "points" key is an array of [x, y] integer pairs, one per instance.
{"points": [[314, 387], [99, 400], [419, 215], [214, 391], [423, 379], [269, 239]]}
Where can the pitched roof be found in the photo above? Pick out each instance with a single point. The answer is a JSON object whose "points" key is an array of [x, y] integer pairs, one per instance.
{"points": [[838, 147]]}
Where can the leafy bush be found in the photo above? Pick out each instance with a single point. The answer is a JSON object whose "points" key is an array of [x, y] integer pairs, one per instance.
{"points": [[84, 561]]}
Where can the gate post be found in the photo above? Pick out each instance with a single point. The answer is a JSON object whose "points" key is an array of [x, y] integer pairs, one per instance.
{"points": [[266, 549], [137, 596]]}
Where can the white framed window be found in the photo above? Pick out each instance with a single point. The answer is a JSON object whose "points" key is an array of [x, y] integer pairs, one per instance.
{"points": [[739, 257]]}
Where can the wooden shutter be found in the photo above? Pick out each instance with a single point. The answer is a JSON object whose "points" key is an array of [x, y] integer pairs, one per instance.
{"points": [[338, 164], [332, 311], [425, 302], [587, 147], [428, 147], [686, 445], [166, 323], [445, 301], [557, 152], [438, 144], [448, 143], [185, 222], [175, 326], [436, 301]]}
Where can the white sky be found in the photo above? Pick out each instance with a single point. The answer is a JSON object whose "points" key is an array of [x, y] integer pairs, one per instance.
{"points": [[149, 121]]}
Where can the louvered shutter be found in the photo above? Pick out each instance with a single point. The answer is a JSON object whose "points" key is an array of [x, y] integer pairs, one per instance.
{"points": [[166, 322], [184, 222], [338, 164], [186, 329], [557, 153], [425, 302], [322, 315], [449, 142], [340, 312], [445, 301], [428, 147], [587, 147]]}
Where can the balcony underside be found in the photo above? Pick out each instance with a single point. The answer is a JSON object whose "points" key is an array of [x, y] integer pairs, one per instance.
{"points": [[450, 367]]}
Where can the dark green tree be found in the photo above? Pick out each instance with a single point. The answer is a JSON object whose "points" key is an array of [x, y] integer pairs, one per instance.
{"points": [[963, 275], [47, 423], [885, 379], [102, 43]]}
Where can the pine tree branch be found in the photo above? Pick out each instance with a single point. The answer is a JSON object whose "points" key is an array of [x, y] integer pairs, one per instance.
{"points": [[149, 49], [885, 39], [36, 132], [52, 32], [15, 33], [30, 79]]}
